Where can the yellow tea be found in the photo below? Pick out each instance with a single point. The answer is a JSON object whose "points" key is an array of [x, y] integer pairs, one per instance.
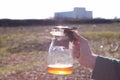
{"points": [[60, 69]]}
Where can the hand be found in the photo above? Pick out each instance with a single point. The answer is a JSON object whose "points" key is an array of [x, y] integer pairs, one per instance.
{"points": [[82, 52]]}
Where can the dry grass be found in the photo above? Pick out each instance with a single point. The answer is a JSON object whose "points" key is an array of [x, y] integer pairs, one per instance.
{"points": [[23, 50]]}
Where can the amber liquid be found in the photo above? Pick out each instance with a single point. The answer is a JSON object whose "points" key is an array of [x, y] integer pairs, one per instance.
{"points": [[60, 69]]}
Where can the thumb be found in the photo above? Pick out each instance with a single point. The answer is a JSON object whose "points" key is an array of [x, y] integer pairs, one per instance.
{"points": [[79, 38]]}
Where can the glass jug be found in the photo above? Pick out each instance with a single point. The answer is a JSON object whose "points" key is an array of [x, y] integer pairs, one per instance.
{"points": [[60, 60]]}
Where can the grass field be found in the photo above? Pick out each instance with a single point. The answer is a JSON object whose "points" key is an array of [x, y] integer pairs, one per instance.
{"points": [[23, 50]]}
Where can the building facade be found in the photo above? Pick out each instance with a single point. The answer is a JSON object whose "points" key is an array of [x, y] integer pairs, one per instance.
{"points": [[77, 13]]}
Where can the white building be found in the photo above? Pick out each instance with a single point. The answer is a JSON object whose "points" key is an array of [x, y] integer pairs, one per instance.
{"points": [[77, 13]]}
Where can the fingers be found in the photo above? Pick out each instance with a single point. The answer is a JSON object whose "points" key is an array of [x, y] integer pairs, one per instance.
{"points": [[76, 51], [79, 37], [79, 45], [79, 42], [70, 35]]}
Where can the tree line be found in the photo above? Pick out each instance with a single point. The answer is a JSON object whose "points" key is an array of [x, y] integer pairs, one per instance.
{"points": [[37, 22]]}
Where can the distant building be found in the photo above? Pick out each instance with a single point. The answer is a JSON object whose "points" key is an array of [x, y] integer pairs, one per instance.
{"points": [[77, 13]]}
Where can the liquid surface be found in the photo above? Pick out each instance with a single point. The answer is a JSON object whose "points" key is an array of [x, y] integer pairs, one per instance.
{"points": [[60, 69]]}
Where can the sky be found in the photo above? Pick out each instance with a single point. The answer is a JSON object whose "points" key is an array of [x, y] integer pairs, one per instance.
{"points": [[42, 9]]}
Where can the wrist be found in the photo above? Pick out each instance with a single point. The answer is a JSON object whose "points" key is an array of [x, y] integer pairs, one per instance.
{"points": [[92, 61], [89, 61]]}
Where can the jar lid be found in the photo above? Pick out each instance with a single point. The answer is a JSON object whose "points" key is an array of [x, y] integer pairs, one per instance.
{"points": [[59, 30]]}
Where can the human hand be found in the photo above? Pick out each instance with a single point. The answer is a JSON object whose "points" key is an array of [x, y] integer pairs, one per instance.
{"points": [[82, 52]]}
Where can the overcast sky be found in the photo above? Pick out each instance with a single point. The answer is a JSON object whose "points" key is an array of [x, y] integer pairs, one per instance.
{"points": [[41, 9]]}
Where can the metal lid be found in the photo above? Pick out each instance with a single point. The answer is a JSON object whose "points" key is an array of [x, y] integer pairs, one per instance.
{"points": [[59, 30]]}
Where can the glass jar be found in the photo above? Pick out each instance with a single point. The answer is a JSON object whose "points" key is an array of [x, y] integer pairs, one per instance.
{"points": [[60, 60]]}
